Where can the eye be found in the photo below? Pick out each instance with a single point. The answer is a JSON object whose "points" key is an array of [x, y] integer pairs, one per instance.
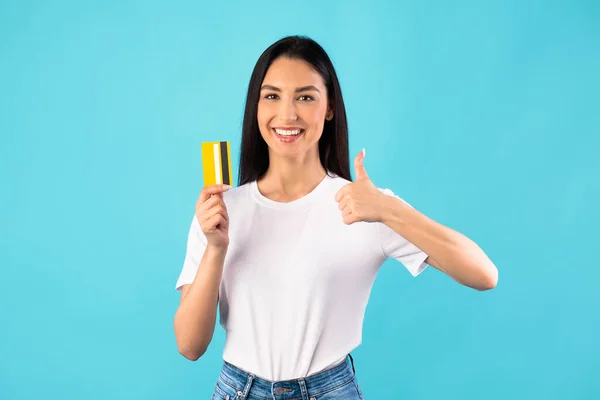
{"points": [[307, 97], [268, 97]]}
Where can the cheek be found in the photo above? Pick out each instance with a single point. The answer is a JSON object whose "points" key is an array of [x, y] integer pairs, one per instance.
{"points": [[314, 118], [262, 119], [316, 122], [260, 115]]}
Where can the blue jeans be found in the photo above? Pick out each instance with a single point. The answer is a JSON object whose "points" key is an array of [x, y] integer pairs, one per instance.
{"points": [[335, 383]]}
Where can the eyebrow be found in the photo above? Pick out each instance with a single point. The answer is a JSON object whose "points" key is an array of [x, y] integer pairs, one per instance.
{"points": [[300, 89]]}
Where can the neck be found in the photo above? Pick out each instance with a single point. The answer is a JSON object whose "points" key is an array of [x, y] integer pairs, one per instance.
{"points": [[288, 179]]}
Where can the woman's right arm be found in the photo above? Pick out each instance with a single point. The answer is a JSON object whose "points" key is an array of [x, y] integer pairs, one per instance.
{"points": [[196, 316]]}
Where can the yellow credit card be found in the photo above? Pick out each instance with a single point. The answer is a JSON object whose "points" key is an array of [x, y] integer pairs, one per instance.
{"points": [[216, 163]]}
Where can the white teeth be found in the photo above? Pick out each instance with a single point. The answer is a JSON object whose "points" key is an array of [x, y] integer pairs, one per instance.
{"points": [[284, 132]]}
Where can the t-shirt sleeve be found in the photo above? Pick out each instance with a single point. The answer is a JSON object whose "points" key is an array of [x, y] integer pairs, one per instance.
{"points": [[196, 244], [395, 246]]}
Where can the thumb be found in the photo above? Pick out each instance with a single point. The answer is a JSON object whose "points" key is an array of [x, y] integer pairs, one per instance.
{"points": [[359, 167]]}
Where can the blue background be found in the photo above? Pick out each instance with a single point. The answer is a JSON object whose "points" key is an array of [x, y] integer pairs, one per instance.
{"points": [[485, 117]]}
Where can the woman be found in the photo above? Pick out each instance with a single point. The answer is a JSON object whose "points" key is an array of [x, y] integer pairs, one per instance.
{"points": [[291, 254]]}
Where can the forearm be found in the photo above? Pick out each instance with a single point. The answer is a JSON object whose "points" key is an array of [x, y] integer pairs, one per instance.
{"points": [[195, 318], [456, 255]]}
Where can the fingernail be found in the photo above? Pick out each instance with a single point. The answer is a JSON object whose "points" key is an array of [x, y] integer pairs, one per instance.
{"points": [[227, 186], [364, 152]]}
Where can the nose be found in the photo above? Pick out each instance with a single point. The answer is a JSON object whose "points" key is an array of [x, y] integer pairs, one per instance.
{"points": [[287, 111]]}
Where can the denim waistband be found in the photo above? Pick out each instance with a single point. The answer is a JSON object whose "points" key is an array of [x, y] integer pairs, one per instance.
{"points": [[324, 381]]}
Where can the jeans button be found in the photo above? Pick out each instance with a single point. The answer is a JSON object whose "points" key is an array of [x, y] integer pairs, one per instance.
{"points": [[278, 391]]}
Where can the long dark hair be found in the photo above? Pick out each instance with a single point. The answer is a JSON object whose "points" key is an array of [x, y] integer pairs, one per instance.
{"points": [[333, 144]]}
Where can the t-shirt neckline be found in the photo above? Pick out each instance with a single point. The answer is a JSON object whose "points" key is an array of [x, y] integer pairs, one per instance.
{"points": [[302, 201]]}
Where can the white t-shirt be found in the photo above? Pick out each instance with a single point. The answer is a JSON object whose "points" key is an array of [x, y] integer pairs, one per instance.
{"points": [[296, 279]]}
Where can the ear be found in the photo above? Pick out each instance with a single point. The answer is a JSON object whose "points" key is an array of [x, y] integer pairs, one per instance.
{"points": [[329, 113]]}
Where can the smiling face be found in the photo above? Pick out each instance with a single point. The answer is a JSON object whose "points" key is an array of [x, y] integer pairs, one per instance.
{"points": [[292, 108]]}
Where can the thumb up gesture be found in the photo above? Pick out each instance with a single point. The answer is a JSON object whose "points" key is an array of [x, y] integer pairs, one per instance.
{"points": [[360, 200]]}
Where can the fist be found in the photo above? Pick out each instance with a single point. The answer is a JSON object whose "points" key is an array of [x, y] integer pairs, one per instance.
{"points": [[211, 213], [360, 201]]}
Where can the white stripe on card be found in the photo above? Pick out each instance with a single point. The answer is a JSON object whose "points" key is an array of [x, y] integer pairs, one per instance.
{"points": [[216, 149]]}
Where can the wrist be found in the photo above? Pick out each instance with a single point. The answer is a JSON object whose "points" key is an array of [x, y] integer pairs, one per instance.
{"points": [[216, 251], [392, 211]]}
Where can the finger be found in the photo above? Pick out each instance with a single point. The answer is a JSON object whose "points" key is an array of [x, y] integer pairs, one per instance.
{"points": [[211, 224], [217, 209], [213, 191], [347, 211], [207, 191], [213, 200], [350, 219], [220, 195], [224, 208], [201, 206], [344, 202], [224, 221], [342, 192], [212, 207], [359, 167], [224, 213]]}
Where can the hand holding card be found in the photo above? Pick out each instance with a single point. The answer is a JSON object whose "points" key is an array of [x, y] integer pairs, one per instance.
{"points": [[211, 211]]}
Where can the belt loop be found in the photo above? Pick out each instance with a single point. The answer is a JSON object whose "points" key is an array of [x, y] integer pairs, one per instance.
{"points": [[352, 361], [248, 385], [303, 389]]}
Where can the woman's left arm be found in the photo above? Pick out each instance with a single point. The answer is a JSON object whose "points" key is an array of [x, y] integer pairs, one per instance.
{"points": [[448, 250]]}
